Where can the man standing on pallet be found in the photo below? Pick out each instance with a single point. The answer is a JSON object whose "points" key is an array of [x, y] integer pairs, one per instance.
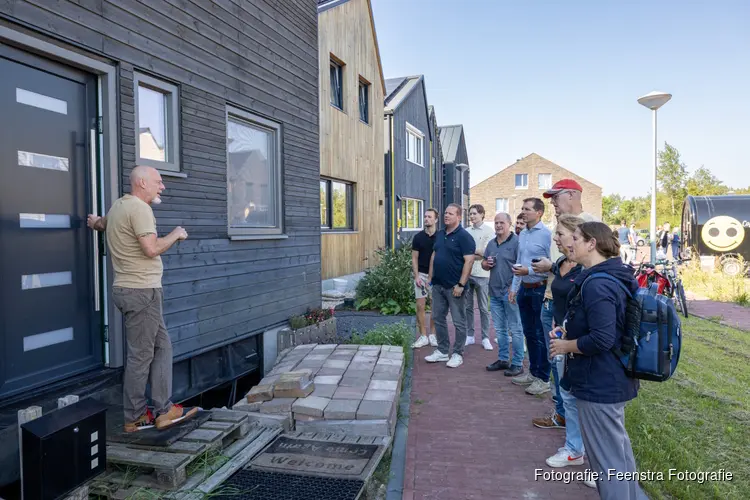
{"points": [[137, 292]]}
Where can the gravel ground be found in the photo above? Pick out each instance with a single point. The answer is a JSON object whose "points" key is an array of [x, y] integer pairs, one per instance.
{"points": [[363, 321]]}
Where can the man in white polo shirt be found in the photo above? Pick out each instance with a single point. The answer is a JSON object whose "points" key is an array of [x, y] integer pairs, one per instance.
{"points": [[479, 282]]}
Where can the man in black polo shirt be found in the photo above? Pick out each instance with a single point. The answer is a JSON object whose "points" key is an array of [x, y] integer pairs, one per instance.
{"points": [[421, 254], [450, 267]]}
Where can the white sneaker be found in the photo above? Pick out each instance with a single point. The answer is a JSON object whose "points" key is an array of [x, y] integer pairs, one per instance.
{"points": [[470, 340], [433, 340], [487, 344], [563, 458], [455, 361], [523, 379], [537, 387], [436, 357], [421, 342], [590, 483]]}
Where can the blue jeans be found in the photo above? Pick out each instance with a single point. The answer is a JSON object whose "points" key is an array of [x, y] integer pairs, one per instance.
{"points": [[547, 324], [573, 437], [505, 317], [530, 307]]}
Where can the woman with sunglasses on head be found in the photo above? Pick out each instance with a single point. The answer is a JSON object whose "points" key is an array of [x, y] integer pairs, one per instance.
{"points": [[593, 326]]}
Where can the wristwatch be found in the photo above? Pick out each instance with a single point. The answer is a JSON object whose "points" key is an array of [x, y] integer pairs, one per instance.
{"points": [[462, 286]]}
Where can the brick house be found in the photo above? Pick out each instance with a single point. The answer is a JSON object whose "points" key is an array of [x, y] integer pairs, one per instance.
{"points": [[530, 177]]}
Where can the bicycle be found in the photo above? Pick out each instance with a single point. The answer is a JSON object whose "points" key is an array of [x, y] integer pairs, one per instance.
{"points": [[668, 281]]}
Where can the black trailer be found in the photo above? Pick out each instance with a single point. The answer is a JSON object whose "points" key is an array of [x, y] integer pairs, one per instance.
{"points": [[716, 230]]}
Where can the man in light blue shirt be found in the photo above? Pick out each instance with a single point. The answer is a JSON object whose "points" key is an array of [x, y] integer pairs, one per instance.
{"points": [[528, 291]]}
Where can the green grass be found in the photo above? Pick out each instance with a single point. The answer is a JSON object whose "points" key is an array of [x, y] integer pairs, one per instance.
{"points": [[715, 285], [700, 419], [391, 334]]}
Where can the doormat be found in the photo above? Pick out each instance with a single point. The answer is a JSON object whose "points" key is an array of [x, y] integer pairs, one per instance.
{"points": [[248, 484], [318, 458], [154, 437]]}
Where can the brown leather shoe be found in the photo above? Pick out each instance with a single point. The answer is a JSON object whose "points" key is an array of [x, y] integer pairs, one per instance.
{"points": [[145, 421], [175, 414], [553, 421]]}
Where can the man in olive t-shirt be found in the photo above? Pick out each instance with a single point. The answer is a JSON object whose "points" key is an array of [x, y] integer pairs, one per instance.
{"points": [[136, 251]]}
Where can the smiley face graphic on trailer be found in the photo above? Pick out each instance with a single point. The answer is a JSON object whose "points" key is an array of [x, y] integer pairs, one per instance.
{"points": [[723, 233]]}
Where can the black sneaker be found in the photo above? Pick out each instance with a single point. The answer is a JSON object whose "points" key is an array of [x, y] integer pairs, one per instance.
{"points": [[498, 365], [513, 371]]}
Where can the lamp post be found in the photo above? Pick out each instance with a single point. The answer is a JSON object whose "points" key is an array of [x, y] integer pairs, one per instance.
{"points": [[653, 101]]}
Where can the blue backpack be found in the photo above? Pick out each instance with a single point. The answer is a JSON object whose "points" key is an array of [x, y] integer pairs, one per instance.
{"points": [[650, 348]]}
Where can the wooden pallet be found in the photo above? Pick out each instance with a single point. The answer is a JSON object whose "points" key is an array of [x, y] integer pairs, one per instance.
{"points": [[188, 461]]}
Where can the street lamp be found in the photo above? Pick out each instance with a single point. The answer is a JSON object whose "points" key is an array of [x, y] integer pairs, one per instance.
{"points": [[653, 101]]}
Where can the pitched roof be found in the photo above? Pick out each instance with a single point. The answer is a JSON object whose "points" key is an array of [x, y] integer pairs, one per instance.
{"points": [[324, 5], [450, 138], [398, 89], [534, 156]]}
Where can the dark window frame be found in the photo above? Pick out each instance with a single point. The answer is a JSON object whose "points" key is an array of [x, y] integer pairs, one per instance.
{"points": [[275, 129], [350, 204], [336, 91], [364, 105]]}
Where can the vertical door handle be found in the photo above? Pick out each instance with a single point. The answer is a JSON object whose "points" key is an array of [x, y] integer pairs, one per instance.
{"points": [[95, 211]]}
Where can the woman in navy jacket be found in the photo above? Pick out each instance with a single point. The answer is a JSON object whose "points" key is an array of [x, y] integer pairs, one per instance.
{"points": [[594, 324]]}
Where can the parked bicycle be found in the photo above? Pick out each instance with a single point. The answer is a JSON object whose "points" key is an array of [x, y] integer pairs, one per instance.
{"points": [[667, 279]]}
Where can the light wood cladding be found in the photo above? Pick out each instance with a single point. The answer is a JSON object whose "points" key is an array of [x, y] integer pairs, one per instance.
{"points": [[351, 150]]}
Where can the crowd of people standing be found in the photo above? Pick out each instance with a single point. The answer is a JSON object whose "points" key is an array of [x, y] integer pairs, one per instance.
{"points": [[530, 280]]}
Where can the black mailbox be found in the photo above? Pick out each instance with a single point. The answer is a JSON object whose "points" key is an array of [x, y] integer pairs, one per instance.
{"points": [[64, 449]]}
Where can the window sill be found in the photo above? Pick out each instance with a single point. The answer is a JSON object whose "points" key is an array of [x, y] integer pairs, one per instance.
{"points": [[169, 173], [338, 231], [414, 163], [365, 123], [526, 188], [251, 237], [336, 107]]}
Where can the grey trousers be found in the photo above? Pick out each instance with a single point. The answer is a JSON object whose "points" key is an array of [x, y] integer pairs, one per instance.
{"points": [[608, 447], [149, 351], [481, 288], [443, 301]]}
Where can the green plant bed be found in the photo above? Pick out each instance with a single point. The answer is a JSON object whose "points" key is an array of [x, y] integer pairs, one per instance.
{"points": [[389, 286]]}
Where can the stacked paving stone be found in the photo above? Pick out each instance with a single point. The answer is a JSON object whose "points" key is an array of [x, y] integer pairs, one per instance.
{"points": [[333, 388]]}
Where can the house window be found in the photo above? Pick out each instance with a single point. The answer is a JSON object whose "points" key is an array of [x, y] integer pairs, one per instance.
{"points": [[336, 205], [254, 199], [545, 181], [337, 88], [414, 145], [364, 101], [522, 181], [501, 205], [157, 111], [412, 213]]}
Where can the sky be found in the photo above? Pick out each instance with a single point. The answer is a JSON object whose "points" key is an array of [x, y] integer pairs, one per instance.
{"points": [[562, 79]]}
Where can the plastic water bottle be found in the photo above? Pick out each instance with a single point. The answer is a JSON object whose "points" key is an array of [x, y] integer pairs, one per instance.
{"points": [[559, 357]]}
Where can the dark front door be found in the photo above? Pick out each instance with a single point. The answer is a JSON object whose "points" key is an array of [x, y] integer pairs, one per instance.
{"points": [[49, 326]]}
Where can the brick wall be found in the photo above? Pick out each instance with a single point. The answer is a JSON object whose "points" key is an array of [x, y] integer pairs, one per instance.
{"points": [[503, 185]]}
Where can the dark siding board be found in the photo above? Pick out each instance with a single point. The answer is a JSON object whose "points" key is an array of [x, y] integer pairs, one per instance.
{"points": [[259, 35], [237, 301], [268, 68], [412, 181], [205, 327]]}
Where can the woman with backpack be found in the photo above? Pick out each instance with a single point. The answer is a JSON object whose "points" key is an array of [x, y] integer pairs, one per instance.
{"points": [[595, 324]]}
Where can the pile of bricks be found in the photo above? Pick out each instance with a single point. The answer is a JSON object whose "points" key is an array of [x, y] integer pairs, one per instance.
{"points": [[333, 388]]}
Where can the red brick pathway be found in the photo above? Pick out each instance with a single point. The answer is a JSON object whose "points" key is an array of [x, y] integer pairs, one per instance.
{"points": [[470, 434], [725, 313]]}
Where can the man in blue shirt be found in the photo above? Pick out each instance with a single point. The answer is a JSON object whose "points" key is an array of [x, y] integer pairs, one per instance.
{"points": [[450, 268], [528, 291]]}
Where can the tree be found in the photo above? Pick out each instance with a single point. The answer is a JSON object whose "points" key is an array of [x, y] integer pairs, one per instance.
{"points": [[672, 175], [704, 183], [611, 208]]}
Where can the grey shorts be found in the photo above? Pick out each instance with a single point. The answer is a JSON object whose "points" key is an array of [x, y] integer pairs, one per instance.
{"points": [[419, 292]]}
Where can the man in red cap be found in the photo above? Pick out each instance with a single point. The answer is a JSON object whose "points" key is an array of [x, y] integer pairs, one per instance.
{"points": [[565, 196]]}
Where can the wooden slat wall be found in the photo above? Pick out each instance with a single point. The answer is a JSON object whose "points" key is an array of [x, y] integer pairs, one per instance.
{"points": [[349, 149], [260, 55]]}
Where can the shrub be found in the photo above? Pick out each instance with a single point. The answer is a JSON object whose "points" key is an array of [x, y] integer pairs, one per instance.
{"points": [[716, 285], [389, 286]]}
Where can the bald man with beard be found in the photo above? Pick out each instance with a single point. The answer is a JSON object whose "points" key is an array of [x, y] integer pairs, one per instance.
{"points": [[136, 249]]}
